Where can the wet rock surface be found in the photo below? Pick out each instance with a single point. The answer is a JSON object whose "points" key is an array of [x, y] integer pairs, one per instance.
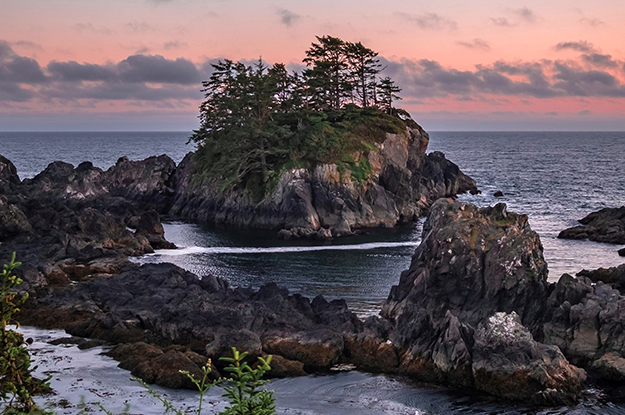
{"points": [[606, 225]]}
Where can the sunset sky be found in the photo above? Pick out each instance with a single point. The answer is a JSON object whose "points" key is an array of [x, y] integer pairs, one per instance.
{"points": [[463, 65]]}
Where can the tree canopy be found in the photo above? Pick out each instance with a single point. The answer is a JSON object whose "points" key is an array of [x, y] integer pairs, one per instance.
{"points": [[258, 120]]}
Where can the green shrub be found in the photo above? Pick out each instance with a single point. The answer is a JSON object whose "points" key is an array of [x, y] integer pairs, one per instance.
{"points": [[17, 384]]}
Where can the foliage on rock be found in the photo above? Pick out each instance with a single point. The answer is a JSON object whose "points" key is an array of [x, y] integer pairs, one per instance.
{"points": [[258, 120]]}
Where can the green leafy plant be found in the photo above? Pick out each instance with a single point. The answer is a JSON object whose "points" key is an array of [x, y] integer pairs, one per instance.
{"points": [[243, 388], [203, 385], [17, 385]]}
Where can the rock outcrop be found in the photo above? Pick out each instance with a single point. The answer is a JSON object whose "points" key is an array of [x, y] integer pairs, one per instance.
{"points": [[606, 225], [164, 305], [70, 223], [469, 310], [326, 201]]}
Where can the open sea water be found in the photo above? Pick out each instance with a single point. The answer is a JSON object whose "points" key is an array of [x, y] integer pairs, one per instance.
{"points": [[556, 178]]}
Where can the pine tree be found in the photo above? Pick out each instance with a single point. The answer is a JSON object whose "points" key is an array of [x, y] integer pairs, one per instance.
{"points": [[364, 68], [327, 74], [388, 92]]}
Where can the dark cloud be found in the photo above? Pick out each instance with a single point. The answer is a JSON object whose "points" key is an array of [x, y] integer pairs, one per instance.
{"points": [[546, 79], [580, 46], [575, 82], [18, 69], [430, 21], [475, 44], [585, 113], [525, 14], [157, 80], [138, 77], [117, 91], [76, 72], [14, 92], [288, 18], [157, 69], [602, 61]]}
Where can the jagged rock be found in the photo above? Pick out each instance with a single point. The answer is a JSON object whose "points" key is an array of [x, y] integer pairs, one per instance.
{"points": [[473, 262], [606, 225], [477, 273], [621, 252], [498, 193], [70, 223], [8, 175], [610, 366], [606, 275], [149, 182], [149, 225], [585, 319], [13, 221], [161, 303]]}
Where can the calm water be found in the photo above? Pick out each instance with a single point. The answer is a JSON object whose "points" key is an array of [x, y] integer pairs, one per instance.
{"points": [[555, 178]]}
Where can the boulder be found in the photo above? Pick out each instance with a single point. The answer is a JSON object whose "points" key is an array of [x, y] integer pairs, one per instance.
{"points": [[508, 363], [606, 225], [162, 366], [149, 226]]}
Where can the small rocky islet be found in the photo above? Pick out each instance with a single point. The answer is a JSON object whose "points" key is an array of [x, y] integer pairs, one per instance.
{"points": [[473, 311], [606, 225]]}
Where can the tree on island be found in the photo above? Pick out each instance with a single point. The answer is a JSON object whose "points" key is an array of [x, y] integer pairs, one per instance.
{"points": [[258, 120]]}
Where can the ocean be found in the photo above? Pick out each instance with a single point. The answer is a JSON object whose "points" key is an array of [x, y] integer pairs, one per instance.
{"points": [[556, 178]]}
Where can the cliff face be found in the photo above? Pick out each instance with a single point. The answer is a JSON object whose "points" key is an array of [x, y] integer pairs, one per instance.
{"points": [[325, 201]]}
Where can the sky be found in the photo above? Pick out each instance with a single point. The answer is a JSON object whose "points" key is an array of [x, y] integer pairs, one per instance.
{"points": [[117, 65]]}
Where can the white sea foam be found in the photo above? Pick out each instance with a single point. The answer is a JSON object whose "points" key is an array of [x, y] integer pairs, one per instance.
{"points": [[279, 249]]}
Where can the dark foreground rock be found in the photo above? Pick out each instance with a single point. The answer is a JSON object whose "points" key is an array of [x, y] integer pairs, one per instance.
{"points": [[606, 225], [163, 305], [69, 223], [469, 309]]}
